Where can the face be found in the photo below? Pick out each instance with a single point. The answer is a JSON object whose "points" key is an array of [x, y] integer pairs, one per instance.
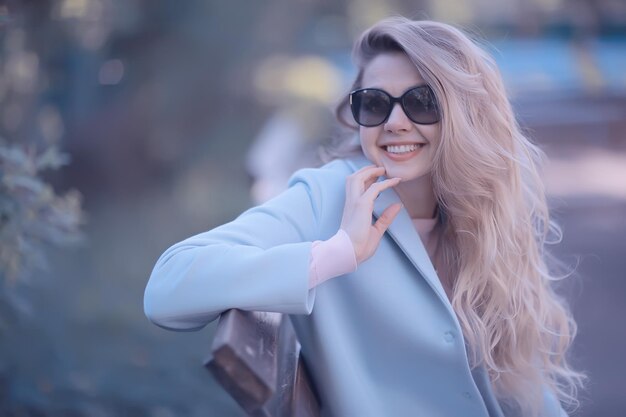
{"points": [[403, 147]]}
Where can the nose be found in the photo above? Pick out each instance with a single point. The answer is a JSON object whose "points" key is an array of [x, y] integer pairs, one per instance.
{"points": [[398, 121]]}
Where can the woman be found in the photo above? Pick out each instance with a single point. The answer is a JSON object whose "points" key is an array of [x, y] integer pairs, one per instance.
{"points": [[440, 307]]}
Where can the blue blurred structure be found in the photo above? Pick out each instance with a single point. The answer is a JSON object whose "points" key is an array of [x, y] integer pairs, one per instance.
{"points": [[562, 67]]}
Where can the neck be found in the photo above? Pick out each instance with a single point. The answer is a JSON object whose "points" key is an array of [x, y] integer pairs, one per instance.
{"points": [[418, 197]]}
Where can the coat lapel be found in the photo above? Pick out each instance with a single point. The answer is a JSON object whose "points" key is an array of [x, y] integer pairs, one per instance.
{"points": [[406, 237], [403, 232]]}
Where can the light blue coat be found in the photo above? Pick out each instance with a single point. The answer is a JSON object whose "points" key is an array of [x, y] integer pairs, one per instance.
{"points": [[382, 341]]}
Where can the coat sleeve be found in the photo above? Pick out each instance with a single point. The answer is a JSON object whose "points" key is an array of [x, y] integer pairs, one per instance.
{"points": [[259, 261]]}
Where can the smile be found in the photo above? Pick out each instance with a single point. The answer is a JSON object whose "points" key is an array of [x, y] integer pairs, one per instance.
{"points": [[400, 149], [400, 153]]}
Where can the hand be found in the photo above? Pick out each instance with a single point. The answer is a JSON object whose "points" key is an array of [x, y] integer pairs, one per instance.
{"points": [[361, 191]]}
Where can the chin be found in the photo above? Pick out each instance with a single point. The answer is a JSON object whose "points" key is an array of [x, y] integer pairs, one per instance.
{"points": [[405, 175]]}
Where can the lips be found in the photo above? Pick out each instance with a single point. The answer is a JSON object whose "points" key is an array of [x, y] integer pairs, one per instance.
{"points": [[404, 151], [403, 148]]}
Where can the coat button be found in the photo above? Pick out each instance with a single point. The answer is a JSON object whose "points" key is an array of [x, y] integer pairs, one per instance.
{"points": [[448, 337], [467, 395]]}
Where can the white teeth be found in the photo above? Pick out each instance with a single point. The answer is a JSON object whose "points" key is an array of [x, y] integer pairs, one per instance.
{"points": [[403, 148]]}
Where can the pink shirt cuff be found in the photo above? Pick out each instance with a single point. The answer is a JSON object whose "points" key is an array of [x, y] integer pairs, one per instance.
{"points": [[331, 258]]}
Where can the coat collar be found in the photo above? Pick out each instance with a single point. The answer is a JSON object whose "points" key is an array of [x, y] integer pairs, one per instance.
{"points": [[403, 232]]}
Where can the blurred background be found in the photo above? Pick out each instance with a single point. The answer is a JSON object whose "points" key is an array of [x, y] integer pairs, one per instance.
{"points": [[128, 125]]}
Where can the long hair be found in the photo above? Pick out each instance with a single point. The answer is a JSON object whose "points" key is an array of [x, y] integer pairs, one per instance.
{"points": [[487, 184]]}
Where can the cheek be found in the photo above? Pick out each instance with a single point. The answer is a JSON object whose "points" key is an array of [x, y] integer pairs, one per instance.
{"points": [[368, 137], [431, 132]]}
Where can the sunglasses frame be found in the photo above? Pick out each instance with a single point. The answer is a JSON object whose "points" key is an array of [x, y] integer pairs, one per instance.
{"points": [[393, 100]]}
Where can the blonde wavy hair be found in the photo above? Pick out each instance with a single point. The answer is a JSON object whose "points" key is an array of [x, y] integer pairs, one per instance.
{"points": [[496, 220]]}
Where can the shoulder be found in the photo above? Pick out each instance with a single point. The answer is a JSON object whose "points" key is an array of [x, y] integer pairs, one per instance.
{"points": [[326, 185], [329, 176]]}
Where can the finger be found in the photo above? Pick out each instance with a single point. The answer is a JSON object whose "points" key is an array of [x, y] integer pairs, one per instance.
{"points": [[355, 183], [385, 219], [366, 172], [369, 177], [365, 168], [373, 172], [368, 183], [376, 188]]}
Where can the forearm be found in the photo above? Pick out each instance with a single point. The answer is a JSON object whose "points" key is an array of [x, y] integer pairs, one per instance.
{"points": [[259, 261], [191, 288]]}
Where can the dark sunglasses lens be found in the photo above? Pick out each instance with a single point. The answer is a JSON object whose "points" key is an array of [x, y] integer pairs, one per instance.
{"points": [[370, 107], [420, 105]]}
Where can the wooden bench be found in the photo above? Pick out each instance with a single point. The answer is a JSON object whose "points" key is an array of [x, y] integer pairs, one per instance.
{"points": [[256, 357]]}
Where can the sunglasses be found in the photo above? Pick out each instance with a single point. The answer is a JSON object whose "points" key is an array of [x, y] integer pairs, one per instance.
{"points": [[372, 106]]}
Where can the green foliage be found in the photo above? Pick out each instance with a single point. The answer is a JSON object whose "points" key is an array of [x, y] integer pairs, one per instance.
{"points": [[31, 213]]}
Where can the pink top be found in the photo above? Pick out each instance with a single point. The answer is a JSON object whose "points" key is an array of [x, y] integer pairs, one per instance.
{"points": [[335, 256], [331, 258]]}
